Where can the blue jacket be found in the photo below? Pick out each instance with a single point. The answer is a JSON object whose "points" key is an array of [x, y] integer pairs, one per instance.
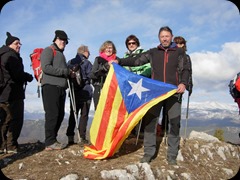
{"points": [[85, 90]]}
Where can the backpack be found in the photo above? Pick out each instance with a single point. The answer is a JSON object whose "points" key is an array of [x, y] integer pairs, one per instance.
{"points": [[78, 79], [36, 64], [189, 86], [234, 86]]}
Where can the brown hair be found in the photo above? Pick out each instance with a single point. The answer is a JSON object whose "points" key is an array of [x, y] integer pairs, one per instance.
{"points": [[105, 45], [132, 37], [181, 40]]}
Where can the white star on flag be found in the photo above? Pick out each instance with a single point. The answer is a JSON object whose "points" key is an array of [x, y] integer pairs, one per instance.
{"points": [[137, 88]]}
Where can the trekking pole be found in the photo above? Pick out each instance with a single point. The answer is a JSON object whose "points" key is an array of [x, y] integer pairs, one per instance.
{"points": [[139, 129], [72, 98], [165, 128], [185, 133]]}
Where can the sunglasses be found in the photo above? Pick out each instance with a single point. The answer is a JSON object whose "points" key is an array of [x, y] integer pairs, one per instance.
{"points": [[133, 43]]}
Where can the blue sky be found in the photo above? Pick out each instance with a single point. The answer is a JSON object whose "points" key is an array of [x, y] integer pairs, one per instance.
{"points": [[211, 28]]}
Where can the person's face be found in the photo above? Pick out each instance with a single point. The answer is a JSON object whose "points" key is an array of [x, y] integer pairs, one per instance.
{"points": [[16, 45], [87, 54], [165, 38], [109, 50], [180, 45], [61, 43], [132, 45]]}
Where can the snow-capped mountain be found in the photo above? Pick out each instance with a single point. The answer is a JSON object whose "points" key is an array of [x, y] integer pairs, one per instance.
{"points": [[204, 117], [202, 113]]}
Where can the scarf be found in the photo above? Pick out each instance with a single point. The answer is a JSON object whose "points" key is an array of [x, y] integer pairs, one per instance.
{"points": [[108, 58]]}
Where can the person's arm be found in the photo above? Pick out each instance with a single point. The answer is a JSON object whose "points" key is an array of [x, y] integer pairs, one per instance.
{"points": [[184, 75], [47, 58], [88, 71], [137, 60], [16, 70]]}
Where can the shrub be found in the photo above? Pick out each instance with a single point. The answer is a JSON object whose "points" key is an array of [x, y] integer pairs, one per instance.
{"points": [[219, 134]]}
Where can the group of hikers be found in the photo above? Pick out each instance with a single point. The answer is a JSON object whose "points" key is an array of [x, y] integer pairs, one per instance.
{"points": [[85, 81]]}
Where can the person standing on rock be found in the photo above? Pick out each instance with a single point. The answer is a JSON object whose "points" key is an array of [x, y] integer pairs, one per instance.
{"points": [[54, 85], [164, 65], [12, 94]]}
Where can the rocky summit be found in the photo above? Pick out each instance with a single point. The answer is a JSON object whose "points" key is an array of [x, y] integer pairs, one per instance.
{"points": [[201, 156]]}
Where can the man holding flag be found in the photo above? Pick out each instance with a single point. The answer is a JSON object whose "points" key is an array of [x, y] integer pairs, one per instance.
{"points": [[126, 97], [164, 63]]}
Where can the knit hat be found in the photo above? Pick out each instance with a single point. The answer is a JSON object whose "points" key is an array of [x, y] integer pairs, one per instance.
{"points": [[10, 39], [61, 35]]}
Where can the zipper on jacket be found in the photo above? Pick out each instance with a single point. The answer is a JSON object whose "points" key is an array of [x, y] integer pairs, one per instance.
{"points": [[165, 62]]}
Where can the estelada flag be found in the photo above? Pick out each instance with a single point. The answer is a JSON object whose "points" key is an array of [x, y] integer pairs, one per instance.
{"points": [[125, 98]]}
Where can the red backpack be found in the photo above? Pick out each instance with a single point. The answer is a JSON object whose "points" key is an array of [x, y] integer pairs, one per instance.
{"points": [[36, 64]]}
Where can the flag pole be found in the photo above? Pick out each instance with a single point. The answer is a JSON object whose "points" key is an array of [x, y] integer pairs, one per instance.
{"points": [[185, 132]]}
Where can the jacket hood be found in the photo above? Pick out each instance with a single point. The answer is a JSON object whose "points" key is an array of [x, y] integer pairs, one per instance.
{"points": [[4, 49], [172, 45], [78, 59]]}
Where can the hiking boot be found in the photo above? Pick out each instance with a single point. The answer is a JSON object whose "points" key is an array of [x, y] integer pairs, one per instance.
{"points": [[55, 146], [71, 140], [146, 159], [172, 161], [83, 141], [12, 151], [2, 151]]}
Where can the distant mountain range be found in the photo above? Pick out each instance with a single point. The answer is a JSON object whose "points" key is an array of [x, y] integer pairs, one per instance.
{"points": [[204, 117]]}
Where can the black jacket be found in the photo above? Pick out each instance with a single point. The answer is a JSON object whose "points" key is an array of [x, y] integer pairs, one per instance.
{"points": [[99, 71], [14, 75], [164, 63]]}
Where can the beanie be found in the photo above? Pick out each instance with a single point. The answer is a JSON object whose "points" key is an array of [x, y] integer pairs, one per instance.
{"points": [[61, 35], [10, 39]]}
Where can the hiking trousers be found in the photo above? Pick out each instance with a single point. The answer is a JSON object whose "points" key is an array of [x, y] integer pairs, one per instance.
{"points": [[173, 109], [84, 106], [11, 122], [54, 106]]}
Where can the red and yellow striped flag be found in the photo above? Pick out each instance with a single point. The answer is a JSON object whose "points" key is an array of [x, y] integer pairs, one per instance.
{"points": [[124, 100]]}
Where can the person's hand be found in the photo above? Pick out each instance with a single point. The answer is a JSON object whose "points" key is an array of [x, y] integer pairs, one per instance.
{"points": [[112, 61], [29, 77], [72, 74], [181, 88], [75, 68]]}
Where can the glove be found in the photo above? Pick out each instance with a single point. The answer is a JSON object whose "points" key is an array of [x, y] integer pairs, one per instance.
{"points": [[75, 68], [29, 77], [72, 74]]}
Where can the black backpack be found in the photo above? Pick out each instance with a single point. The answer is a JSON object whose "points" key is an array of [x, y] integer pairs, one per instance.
{"points": [[232, 87], [188, 62], [77, 80]]}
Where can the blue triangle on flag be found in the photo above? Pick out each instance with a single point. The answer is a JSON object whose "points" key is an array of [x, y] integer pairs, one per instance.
{"points": [[136, 89]]}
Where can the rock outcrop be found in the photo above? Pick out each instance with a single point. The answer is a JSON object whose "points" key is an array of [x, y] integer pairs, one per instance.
{"points": [[200, 157]]}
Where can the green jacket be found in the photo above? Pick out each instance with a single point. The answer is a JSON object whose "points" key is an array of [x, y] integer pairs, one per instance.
{"points": [[144, 70]]}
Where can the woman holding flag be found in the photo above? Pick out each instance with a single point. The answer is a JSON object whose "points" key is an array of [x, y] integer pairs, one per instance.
{"points": [[107, 52]]}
